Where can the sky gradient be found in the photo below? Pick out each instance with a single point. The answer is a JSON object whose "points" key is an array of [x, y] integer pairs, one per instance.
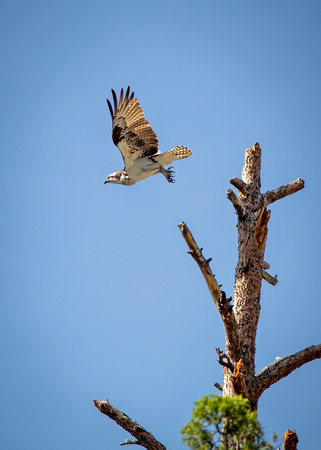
{"points": [[99, 296]]}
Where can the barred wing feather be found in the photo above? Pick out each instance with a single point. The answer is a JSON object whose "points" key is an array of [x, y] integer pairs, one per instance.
{"points": [[132, 133]]}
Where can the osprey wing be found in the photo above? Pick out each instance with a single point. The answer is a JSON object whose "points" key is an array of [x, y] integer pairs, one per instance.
{"points": [[132, 133]]}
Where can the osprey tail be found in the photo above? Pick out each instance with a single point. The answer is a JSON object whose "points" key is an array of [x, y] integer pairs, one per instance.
{"points": [[178, 152]]}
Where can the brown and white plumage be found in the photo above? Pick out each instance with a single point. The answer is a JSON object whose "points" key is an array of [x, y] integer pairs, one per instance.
{"points": [[138, 143]]}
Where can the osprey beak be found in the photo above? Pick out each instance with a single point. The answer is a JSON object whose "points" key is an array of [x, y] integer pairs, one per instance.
{"points": [[106, 181]]}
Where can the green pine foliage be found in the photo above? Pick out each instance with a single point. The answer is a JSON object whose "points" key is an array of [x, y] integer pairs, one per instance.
{"points": [[218, 421]]}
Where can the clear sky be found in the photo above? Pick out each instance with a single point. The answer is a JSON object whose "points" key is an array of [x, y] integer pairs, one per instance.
{"points": [[99, 296]]}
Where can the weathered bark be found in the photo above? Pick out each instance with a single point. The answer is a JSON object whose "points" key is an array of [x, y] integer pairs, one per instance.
{"points": [[290, 440], [144, 438], [282, 367], [235, 202], [248, 275], [252, 234], [283, 191]]}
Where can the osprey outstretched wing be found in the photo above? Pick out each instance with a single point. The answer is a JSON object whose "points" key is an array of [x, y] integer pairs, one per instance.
{"points": [[138, 143]]}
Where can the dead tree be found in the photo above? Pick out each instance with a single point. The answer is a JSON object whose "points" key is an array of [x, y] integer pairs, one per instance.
{"points": [[240, 315]]}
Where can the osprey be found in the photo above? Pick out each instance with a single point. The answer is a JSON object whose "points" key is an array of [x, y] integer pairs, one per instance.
{"points": [[138, 143]]}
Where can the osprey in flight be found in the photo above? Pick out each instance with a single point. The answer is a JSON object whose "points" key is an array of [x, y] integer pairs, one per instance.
{"points": [[138, 143]]}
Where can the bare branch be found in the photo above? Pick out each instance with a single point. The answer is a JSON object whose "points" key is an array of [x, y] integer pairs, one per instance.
{"points": [[144, 438], [224, 360], [282, 367], [222, 303], [218, 386], [236, 203], [127, 442], [283, 191], [240, 185], [267, 277], [203, 264]]}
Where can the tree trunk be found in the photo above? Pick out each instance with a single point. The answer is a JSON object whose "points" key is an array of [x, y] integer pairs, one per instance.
{"points": [[248, 278], [253, 218]]}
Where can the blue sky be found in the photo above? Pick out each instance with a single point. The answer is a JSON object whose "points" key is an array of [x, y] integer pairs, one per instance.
{"points": [[99, 297]]}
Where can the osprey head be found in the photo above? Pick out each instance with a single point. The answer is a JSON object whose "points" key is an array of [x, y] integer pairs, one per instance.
{"points": [[119, 178], [113, 178]]}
